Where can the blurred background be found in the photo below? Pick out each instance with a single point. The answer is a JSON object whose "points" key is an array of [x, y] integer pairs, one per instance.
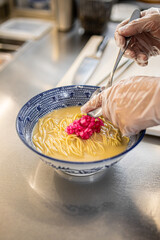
{"points": [[93, 15], [75, 21]]}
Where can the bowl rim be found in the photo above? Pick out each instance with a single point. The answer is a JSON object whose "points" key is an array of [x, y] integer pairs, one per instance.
{"points": [[142, 133]]}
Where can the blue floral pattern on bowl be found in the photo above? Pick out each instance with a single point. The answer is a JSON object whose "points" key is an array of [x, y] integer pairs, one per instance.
{"points": [[56, 98]]}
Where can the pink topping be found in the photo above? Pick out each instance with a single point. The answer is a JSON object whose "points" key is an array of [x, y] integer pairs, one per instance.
{"points": [[85, 126]]}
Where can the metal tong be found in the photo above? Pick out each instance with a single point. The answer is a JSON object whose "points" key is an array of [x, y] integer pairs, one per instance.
{"points": [[98, 112]]}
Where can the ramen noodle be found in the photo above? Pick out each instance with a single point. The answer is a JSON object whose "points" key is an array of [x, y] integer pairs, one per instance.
{"points": [[50, 138]]}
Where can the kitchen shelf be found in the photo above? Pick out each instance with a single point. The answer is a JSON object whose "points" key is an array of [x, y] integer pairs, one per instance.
{"points": [[27, 11], [36, 13]]}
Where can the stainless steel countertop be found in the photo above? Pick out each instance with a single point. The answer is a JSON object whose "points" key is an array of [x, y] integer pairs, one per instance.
{"points": [[37, 203]]}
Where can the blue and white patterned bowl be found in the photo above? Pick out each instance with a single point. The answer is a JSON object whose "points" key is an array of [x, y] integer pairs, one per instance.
{"points": [[61, 97]]}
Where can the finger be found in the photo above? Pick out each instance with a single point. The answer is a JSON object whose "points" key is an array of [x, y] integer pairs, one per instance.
{"points": [[120, 40], [135, 27], [151, 10], [137, 52], [144, 41], [92, 104], [129, 53], [123, 23], [142, 59], [141, 62]]}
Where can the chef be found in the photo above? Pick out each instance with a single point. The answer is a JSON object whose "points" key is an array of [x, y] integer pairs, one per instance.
{"points": [[133, 104]]}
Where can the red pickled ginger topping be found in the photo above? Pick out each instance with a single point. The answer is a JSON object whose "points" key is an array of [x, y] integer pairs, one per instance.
{"points": [[85, 126]]}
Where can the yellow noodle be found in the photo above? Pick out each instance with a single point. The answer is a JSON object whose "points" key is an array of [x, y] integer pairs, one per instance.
{"points": [[50, 138], [38, 145]]}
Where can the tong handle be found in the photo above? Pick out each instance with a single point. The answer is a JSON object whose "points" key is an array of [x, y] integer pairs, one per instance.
{"points": [[135, 15], [98, 112]]}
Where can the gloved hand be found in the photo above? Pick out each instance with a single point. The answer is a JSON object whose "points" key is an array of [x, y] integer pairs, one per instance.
{"points": [[145, 33], [131, 105]]}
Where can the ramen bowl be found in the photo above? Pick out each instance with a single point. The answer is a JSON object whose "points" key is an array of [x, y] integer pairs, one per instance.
{"points": [[53, 99]]}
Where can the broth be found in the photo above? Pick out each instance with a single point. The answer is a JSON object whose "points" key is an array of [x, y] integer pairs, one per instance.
{"points": [[50, 138]]}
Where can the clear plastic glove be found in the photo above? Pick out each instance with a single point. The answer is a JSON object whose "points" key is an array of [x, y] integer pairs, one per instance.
{"points": [[131, 105], [145, 33]]}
